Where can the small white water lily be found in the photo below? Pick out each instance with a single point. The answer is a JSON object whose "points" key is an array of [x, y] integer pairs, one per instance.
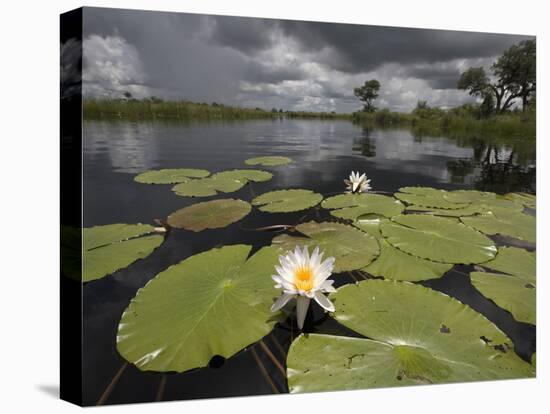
{"points": [[357, 183], [304, 277]]}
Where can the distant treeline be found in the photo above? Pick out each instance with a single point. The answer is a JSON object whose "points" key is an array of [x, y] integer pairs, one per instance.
{"points": [[466, 118], [155, 108]]}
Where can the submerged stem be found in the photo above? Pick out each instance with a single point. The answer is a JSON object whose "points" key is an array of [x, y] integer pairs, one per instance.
{"points": [[111, 385], [278, 345], [275, 361], [162, 385], [353, 277], [264, 371]]}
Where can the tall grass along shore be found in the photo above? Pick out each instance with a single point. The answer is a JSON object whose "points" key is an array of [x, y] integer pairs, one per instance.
{"points": [[461, 120]]}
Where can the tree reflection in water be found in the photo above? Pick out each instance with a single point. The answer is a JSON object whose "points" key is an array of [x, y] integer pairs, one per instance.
{"points": [[366, 144], [494, 168], [498, 163]]}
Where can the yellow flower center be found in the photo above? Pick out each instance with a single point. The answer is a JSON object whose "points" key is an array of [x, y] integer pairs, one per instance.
{"points": [[303, 278]]}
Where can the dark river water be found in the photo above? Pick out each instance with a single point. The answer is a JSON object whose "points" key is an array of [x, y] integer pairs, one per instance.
{"points": [[324, 153]]}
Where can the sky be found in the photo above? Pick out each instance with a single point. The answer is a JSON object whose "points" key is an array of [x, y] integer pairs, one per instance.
{"points": [[268, 63]]}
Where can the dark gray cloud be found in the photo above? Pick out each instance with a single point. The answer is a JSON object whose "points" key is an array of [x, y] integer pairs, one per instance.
{"points": [[358, 48], [266, 62], [242, 33]]}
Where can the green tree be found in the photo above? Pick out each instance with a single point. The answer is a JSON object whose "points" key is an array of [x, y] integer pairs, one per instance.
{"points": [[487, 107], [422, 105], [514, 76], [517, 67], [368, 93]]}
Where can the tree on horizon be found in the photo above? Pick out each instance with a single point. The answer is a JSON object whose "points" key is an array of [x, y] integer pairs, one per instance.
{"points": [[368, 93]]}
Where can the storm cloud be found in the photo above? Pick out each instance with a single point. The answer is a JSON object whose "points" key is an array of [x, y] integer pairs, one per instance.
{"points": [[276, 63]]}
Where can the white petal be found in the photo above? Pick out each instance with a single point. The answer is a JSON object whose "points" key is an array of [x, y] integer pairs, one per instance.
{"points": [[315, 259], [298, 258], [323, 301], [285, 273], [291, 290], [324, 270], [327, 287], [305, 255], [277, 279], [282, 301], [289, 263], [302, 304], [308, 293]]}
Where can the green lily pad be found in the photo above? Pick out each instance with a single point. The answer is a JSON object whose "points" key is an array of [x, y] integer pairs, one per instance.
{"points": [[515, 261], [268, 161], [213, 303], [284, 201], [469, 196], [224, 182], [213, 214], [499, 204], [170, 175], [505, 222], [484, 205], [395, 264], [418, 336], [209, 186], [458, 212], [515, 294], [439, 239], [371, 224], [353, 206], [112, 247], [257, 176], [352, 248], [427, 197], [422, 191], [534, 359], [528, 200]]}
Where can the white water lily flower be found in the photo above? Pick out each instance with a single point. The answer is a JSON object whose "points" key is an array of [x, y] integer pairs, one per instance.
{"points": [[304, 277], [357, 183]]}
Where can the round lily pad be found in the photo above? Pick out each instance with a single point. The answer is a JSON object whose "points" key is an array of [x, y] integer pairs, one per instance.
{"points": [[371, 224], [457, 212], [268, 161], [353, 206], [209, 214], [170, 175], [515, 294], [483, 205], [468, 196], [284, 201], [395, 264], [352, 248], [213, 303], [257, 176], [112, 247], [528, 200], [224, 182], [418, 336], [439, 239], [499, 204], [514, 261], [504, 222], [427, 197]]}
